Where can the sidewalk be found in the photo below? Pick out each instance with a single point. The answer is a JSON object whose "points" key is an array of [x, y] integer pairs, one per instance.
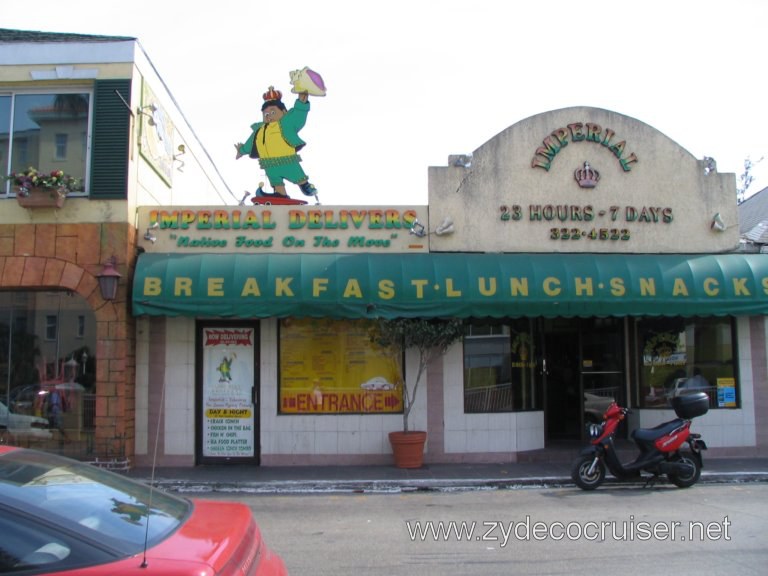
{"points": [[432, 477]]}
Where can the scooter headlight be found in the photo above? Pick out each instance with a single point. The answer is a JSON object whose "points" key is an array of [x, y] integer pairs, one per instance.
{"points": [[594, 430]]}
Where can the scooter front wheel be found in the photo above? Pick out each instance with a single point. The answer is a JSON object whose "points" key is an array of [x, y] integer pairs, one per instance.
{"points": [[588, 472], [688, 479]]}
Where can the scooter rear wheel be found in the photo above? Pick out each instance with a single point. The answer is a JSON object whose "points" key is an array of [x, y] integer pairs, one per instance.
{"points": [[584, 475], [686, 480]]}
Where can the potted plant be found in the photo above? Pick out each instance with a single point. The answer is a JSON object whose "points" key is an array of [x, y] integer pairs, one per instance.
{"points": [[431, 338], [42, 189]]}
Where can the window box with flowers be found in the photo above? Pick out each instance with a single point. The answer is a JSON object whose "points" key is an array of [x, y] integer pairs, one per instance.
{"points": [[42, 189]]}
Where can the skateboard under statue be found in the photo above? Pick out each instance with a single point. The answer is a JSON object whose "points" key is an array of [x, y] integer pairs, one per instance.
{"points": [[261, 198]]}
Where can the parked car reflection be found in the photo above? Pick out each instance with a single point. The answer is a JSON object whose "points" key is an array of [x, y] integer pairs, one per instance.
{"points": [[15, 427], [681, 386], [595, 406], [26, 400]]}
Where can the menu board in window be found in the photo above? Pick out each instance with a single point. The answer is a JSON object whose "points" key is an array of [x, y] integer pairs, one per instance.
{"points": [[331, 367]]}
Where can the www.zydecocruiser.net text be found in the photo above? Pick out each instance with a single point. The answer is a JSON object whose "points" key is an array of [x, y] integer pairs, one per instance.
{"points": [[504, 532]]}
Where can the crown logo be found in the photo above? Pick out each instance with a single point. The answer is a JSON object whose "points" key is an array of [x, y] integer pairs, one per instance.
{"points": [[587, 177], [272, 94]]}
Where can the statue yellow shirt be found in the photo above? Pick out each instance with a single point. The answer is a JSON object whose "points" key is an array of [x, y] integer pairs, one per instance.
{"points": [[270, 142]]}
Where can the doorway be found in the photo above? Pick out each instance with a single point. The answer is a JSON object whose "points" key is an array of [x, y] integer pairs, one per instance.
{"points": [[582, 372]]}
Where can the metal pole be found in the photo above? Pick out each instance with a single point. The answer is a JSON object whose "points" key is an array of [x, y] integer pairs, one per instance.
{"points": [[10, 363]]}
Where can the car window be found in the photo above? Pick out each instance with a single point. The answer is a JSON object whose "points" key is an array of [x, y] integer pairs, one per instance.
{"points": [[96, 504], [28, 547]]}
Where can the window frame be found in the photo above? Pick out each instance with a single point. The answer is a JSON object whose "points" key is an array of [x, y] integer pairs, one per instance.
{"points": [[6, 191], [640, 396], [60, 145], [502, 396], [51, 327]]}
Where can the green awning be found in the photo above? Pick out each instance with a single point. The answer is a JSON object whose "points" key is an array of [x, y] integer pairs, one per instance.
{"points": [[449, 285]]}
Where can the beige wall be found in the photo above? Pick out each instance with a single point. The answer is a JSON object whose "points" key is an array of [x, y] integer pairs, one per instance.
{"points": [[507, 172]]}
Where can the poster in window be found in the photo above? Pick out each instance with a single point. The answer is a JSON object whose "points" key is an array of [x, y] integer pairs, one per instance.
{"points": [[726, 392], [665, 349], [331, 367], [228, 380]]}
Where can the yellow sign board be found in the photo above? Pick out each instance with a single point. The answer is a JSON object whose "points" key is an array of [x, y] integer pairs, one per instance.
{"points": [[331, 367]]}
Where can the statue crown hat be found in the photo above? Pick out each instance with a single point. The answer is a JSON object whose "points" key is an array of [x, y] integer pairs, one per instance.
{"points": [[272, 94]]}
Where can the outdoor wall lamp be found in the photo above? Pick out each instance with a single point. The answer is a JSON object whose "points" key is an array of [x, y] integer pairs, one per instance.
{"points": [[417, 229], [150, 115], [445, 228], [108, 279], [717, 224], [149, 235]]}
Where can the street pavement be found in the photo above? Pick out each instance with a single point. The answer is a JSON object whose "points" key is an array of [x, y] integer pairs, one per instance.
{"points": [[437, 477]]}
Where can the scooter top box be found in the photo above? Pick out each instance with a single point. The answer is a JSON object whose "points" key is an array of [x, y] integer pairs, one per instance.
{"points": [[691, 405]]}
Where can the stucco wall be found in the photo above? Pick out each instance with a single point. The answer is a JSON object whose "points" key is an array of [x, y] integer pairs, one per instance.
{"points": [[473, 434], [662, 202]]}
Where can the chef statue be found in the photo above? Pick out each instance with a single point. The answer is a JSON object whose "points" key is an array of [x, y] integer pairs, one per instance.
{"points": [[275, 140]]}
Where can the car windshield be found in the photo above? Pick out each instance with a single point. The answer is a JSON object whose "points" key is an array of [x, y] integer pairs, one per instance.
{"points": [[98, 505]]}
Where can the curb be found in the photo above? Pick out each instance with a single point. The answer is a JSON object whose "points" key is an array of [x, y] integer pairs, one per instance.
{"points": [[285, 487]]}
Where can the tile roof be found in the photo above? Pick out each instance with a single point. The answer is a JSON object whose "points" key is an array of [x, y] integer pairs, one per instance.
{"points": [[8, 36], [753, 211], [758, 234]]}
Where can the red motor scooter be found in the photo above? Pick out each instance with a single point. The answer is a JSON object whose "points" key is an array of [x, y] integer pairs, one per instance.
{"points": [[659, 447]]}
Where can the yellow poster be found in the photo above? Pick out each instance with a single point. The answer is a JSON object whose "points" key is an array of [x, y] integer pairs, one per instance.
{"points": [[331, 367], [726, 392]]}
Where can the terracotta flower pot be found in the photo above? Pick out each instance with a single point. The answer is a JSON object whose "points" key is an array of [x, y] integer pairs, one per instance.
{"points": [[408, 448], [41, 198]]}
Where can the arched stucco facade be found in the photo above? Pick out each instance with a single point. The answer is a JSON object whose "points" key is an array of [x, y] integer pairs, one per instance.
{"points": [[69, 257]]}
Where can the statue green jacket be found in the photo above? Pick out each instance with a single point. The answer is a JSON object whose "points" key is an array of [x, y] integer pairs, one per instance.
{"points": [[290, 124]]}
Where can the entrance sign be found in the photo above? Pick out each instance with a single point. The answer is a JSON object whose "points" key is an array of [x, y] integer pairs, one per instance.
{"points": [[228, 380], [331, 367]]}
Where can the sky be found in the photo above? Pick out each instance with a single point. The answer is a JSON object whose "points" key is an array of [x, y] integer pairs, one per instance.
{"points": [[410, 82]]}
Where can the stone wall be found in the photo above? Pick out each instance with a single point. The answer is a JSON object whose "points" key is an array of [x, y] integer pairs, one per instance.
{"points": [[53, 256]]}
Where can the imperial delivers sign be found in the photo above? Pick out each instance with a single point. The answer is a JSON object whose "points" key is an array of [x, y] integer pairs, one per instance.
{"points": [[293, 229]]}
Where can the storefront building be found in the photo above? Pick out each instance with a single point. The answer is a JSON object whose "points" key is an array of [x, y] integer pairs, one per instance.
{"points": [[92, 109], [590, 256]]}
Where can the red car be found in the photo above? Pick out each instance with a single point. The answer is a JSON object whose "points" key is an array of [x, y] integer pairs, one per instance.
{"points": [[60, 516]]}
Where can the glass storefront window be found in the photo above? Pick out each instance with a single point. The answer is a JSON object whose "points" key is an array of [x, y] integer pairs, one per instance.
{"points": [[683, 355], [47, 376], [47, 131], [499, 368], [332, 367]]}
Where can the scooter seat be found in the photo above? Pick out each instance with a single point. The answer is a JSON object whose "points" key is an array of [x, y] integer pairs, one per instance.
{"points": [[651, 434]]}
